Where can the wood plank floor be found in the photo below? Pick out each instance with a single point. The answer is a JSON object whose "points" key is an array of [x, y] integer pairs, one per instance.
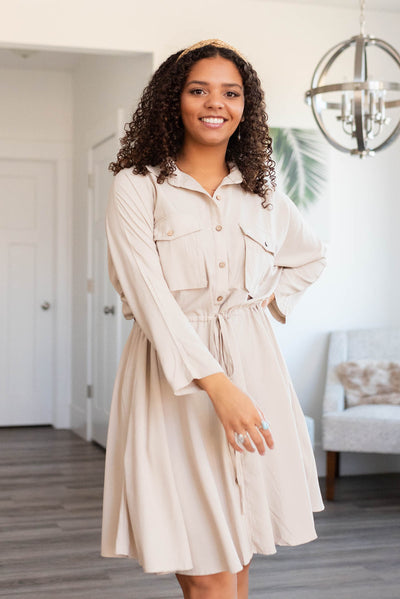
{"points": [[50, 518]]}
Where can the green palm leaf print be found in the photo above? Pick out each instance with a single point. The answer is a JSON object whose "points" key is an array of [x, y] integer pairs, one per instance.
{"points": [[300, 156]]}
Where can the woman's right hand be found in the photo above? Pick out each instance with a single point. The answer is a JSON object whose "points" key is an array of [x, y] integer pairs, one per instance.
{"points": [[237, 413], [268, 300]]}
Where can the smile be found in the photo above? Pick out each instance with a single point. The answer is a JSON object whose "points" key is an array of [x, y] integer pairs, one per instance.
{"points": [[213, 120]]}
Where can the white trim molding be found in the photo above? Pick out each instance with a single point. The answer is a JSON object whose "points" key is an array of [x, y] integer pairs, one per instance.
{"points": [[60, 153]]}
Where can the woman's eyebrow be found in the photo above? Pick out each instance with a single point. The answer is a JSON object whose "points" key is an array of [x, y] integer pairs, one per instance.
{"points": [[223, 84]]}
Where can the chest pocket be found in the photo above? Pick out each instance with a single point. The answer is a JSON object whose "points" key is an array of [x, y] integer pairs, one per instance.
{"points": [[180, 243], [259, 255]]}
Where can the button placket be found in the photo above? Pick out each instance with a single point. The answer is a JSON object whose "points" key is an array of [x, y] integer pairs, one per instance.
{"points": [[221, 261]]}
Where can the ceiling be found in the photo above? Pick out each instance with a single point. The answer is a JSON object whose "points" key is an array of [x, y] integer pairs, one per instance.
{"points": [[384, 5], [68, 60], [38, 59], [27, 59]]}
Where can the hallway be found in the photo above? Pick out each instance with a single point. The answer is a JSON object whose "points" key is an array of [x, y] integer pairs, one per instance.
{"points": [[50, 521]]}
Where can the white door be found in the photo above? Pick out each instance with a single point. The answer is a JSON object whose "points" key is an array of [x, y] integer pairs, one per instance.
{"points": [[109, 328], [27, 302]]}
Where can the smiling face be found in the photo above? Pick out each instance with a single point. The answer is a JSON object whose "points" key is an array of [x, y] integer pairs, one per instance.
{"points": [[212, 102]]}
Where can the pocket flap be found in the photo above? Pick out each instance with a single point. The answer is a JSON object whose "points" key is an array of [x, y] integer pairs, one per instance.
{"points": [[259, 235], [174, 226]]}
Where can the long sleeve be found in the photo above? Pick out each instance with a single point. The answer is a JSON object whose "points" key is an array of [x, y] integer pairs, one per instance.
{"points": [[301, 255], [135, 272]]}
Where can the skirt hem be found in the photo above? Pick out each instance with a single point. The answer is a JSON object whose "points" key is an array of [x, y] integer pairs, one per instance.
{"points": [[280, 543]]}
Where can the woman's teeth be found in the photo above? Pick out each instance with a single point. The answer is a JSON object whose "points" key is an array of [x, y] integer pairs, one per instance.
{"points": [[212, 120]]}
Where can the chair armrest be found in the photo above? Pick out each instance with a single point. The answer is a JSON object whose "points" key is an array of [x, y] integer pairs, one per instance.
{"points": [[333, 400]]}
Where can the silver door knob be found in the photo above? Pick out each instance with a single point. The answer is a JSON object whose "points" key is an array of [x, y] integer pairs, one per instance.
{"points": [[45, 306], [109, 310]]}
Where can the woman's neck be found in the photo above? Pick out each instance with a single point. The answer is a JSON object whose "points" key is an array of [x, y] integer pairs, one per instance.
{"points": [[203, 161]]}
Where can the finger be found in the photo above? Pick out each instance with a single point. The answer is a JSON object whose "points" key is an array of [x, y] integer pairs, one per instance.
{"points": [[268, 437], [232, 441], [247, 444], [257, 440], [243, 440], [265, 433], [260, 412]]}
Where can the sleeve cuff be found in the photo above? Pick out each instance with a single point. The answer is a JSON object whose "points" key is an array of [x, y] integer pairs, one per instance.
{"points": [[186, 385]]}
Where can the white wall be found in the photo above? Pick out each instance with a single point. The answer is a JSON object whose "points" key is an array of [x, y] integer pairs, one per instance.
{"points": [[284, 41], [36, 105], [36, 124], [101, 85], [62, 106]]}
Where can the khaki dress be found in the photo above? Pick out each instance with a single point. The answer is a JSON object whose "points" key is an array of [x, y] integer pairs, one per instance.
{"points": [[192, 271]]}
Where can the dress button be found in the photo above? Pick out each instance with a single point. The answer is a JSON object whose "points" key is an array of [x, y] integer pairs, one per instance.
{"points": [[270, 206], [170, 232], [219, 298], [221, 264], [218, 197], [218, 227]]}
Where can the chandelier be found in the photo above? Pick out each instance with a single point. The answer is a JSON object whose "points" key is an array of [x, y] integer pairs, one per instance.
{"points": [[361, 114]]}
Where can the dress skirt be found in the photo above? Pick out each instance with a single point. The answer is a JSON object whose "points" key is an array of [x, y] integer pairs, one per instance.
{"points": [[189, 503]]}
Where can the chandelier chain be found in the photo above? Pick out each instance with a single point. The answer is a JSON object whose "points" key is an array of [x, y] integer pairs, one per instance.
{"points": [[362, 17]]}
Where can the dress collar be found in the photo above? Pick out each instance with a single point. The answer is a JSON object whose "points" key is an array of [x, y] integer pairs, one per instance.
{"points": [[181, 179]]}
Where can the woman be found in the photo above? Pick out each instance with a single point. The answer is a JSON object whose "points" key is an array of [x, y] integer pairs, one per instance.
{"points": [[208, 455]]}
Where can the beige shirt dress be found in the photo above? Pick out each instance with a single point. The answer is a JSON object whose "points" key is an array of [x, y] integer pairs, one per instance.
{"points": [[192, 271]]}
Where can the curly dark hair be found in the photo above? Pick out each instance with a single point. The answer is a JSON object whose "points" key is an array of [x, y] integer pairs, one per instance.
{"points": [[155, 134]]}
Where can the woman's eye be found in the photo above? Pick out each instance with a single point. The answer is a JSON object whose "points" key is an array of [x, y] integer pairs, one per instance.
{"points": [[198, 91]]}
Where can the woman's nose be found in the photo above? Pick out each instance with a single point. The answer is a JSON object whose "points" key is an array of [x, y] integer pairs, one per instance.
{"points": [[214, 100]]}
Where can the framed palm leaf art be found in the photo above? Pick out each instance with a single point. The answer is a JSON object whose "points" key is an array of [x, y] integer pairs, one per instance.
{"points": [[302, 170]]}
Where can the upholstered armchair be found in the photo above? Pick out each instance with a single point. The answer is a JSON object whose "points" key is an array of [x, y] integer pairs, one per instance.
{"points": [[370, 428]]}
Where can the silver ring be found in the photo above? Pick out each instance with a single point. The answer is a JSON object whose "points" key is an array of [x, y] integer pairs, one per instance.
{"points": [[240, 437], [264, 425]]}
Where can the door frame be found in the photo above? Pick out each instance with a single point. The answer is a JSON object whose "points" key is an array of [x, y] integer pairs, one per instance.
{"points": [[110, 126], [60, 154]]}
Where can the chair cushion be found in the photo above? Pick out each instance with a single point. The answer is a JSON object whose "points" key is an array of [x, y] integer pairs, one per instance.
{"points": [[370, 382], [371, 412], [368, 428]]}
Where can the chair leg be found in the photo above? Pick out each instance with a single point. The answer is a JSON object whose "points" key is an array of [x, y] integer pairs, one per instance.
{"points": [[331, 471], [337, 469]]}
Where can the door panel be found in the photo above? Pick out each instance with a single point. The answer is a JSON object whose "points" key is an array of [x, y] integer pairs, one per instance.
{"points": [[110, 329], [27, 200]]}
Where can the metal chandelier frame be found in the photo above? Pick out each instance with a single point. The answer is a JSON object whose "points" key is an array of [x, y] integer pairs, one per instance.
{"points": [[360, 120]]}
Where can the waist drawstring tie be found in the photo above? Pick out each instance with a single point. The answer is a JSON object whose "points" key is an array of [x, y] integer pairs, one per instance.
{"points": [[221, 352], [219, 348]]}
